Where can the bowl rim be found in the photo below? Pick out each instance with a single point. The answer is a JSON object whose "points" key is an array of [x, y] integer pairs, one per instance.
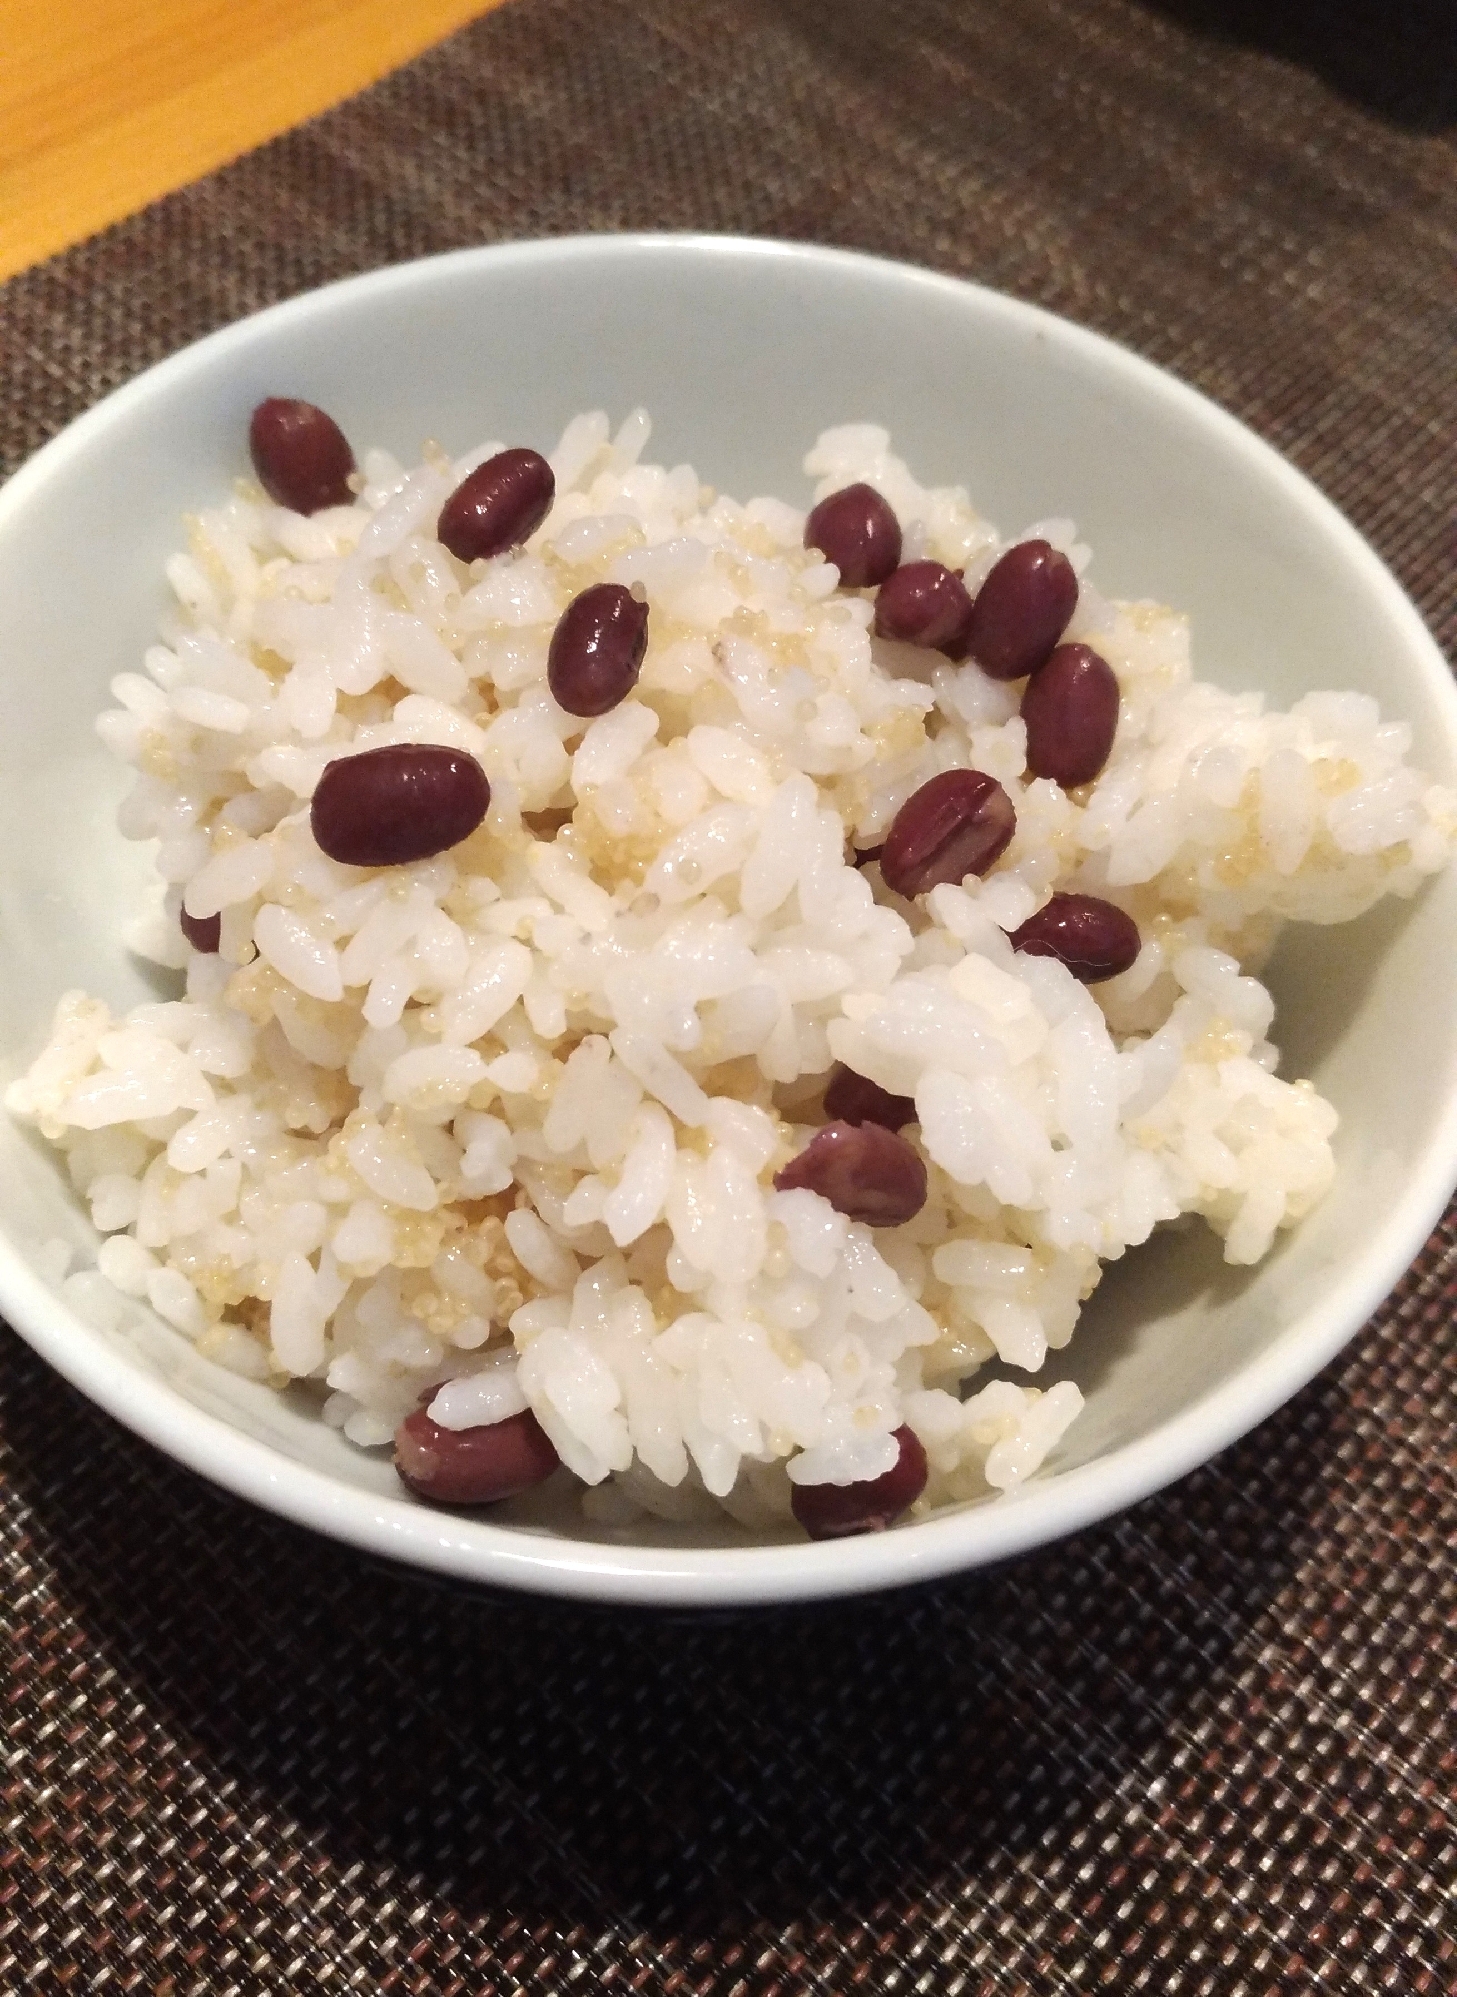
{"points": [[402, 1530]]}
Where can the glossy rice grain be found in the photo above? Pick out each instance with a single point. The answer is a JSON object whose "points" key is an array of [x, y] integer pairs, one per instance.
{"points": [[390, 806], [838, 1511]]}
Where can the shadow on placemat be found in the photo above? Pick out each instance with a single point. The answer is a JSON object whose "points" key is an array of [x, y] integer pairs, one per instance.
{"points": [[1397, 61], [634, 1769]]}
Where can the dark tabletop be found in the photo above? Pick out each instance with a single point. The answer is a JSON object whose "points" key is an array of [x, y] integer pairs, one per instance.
{"points": [[1208, 1748]]}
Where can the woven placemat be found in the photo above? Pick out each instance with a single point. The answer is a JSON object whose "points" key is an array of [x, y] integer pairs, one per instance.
{"points": [[1211, 1747]]}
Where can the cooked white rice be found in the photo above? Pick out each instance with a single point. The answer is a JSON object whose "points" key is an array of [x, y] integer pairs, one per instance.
{"points": [[507, 1121]]}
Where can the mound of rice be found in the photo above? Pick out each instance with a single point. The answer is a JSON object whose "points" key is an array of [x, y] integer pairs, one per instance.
{"points": [[506, 1121]]}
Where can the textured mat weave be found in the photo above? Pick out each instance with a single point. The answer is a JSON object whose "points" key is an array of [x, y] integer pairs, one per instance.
{"points": [[1210, 1748]]}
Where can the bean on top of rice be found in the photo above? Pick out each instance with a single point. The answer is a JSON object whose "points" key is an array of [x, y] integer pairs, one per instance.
{"points": [[674, 988]]}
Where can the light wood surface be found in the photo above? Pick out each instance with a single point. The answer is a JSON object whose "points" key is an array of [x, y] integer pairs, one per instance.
{"points": [[105, 104]]}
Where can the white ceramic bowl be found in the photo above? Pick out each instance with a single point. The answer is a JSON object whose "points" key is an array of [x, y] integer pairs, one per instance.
{"points": [[742, 351]]}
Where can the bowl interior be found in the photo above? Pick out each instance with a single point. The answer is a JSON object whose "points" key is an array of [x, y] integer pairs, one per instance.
{"points": [[741, 352]]}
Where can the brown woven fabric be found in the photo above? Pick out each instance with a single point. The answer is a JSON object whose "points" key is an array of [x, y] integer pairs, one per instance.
{"points": [[1209, 1748]]}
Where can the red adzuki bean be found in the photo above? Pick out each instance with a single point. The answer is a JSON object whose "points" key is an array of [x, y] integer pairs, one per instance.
{"points": [[857, 531], [406, 801], [473, 1466], [203, 932], [1095, 939], [957, 824], [835, 1511], [498, 505], [597, 649], [865, 1172], [1021, 610], [852, 1098], [300, 454], [1071, 711], [925, 603]]}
